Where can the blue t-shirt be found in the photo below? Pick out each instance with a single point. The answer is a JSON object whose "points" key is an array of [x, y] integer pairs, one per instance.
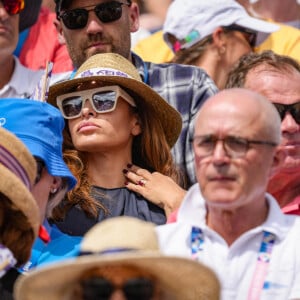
{"points": [[60, 247]]}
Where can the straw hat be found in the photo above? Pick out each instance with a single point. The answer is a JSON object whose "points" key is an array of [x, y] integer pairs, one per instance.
{"points": [[114, 69], [18, 172], [117, 241]]}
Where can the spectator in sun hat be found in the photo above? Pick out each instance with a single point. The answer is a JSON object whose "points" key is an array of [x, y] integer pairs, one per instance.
{"points": [[19, 221], [38, 40], [211, 34], [120, 258], [185, 88], [39, 126], [15, 79], [115, 121]]}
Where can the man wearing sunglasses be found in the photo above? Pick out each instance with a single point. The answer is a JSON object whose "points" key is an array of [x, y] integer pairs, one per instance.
{"points": [[97, 26], [278, 78], [15, 79]]}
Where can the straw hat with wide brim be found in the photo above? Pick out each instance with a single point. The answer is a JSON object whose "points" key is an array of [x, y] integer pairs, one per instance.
{"points": [[114, 69], [137, 244], [18, 172]]}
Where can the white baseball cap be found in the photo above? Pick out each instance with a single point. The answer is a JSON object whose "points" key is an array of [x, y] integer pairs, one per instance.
{"points": [[192, 20]]}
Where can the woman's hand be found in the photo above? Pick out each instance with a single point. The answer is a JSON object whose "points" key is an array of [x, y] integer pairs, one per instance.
{"points": [[155, 187]]}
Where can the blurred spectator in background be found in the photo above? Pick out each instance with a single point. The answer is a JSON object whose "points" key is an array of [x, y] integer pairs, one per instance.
{"points": [[287, 11], [285, 41], [153, 13], [39, 41], [15, 79], [212, 35], [152, 17]]}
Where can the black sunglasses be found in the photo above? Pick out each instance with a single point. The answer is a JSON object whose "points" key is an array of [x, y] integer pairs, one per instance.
{"points": [[293, 109], [106, 12], [40, 167], [250, 35], [101, 289]]}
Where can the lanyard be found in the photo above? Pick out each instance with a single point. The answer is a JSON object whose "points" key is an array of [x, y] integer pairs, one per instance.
{"points": [[262, 262]]}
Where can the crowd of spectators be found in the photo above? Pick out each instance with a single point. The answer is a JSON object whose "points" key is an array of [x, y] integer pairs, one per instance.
{"points": [[149, 149]]}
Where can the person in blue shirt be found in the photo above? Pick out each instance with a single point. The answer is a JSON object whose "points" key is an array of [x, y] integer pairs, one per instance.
{"points": [[39, 126]]}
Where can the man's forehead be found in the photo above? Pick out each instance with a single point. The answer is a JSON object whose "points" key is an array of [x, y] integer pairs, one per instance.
{"points": [[268, 72], [81, 3], [279, 86]]}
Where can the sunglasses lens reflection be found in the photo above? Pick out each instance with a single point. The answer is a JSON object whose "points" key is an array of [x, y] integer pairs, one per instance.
{"points": [[106, 13], [13, 7]]}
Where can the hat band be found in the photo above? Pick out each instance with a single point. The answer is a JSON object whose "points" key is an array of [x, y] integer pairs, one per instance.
{"points": [[191, 39], [102, 72], [108, 251], [11, 163]]}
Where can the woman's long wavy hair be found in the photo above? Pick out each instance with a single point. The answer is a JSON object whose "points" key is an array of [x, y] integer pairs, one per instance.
{"points": [[150, 150]]}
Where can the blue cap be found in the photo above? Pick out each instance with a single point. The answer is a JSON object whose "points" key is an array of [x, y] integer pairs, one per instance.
{"points": [[39, 126]]}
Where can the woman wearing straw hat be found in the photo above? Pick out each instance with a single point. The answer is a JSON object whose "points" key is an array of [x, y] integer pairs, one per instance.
{"points": [[19, 215], [114, 120]]}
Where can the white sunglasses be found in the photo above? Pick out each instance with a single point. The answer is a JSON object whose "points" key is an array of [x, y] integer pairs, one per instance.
{"points": [[103, 100]]}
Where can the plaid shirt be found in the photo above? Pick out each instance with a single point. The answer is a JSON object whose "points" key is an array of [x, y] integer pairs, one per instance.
{"points": [[185, 88]]}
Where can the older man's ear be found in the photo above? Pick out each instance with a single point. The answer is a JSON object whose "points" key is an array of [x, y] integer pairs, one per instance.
{"points": [[278, 160]]}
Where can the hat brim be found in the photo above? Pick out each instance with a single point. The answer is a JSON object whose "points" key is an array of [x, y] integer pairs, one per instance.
{"points": [[55, 164], [14, 189], [169, 117], [257, 24], [185, 278]]}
